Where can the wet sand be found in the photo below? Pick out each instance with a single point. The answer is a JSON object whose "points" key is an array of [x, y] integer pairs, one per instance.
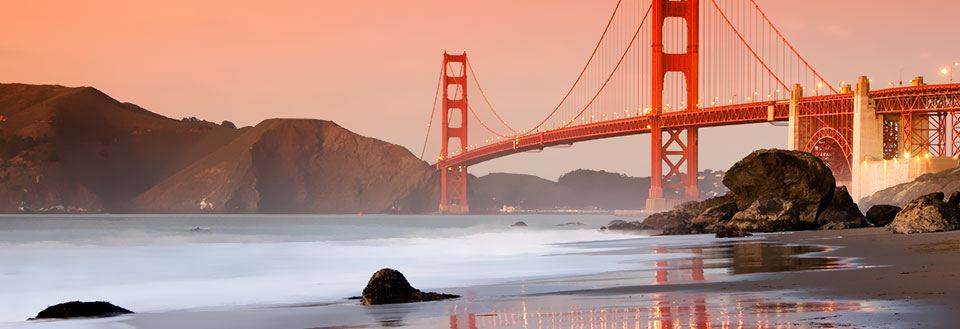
{"points": [[919, 273]]}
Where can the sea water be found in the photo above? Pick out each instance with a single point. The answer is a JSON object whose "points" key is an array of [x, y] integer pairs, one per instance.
{"points": [[152, 263]]}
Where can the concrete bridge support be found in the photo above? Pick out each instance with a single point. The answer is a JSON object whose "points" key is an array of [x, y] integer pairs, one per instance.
{"points": [[867, 136]]}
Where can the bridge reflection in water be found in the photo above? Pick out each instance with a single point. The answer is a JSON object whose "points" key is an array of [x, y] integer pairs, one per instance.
{"points": [[694, 310]]}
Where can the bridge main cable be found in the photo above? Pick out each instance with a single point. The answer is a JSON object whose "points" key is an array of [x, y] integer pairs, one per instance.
{"points": [[615, 68], [585, 67], [486, 100]]}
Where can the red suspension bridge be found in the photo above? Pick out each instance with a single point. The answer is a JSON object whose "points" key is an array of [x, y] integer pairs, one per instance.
{"points": [[667, 68]]}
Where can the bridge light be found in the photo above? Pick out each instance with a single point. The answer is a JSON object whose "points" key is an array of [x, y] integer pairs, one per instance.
{"points": [[906, 154], [944, 71]]}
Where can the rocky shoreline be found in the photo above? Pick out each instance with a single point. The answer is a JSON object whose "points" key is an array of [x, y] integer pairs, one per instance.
{"points": [[778, 191]]}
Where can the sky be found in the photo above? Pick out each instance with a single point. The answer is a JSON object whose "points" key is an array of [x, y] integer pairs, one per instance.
{"points": [[371, 66]]}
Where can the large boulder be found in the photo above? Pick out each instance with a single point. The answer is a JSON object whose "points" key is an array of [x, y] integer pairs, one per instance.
{"points": [[882, 214], [764, 215], [928, 213], [841, 213], [389, 286], [78, 309], [799, 177]]}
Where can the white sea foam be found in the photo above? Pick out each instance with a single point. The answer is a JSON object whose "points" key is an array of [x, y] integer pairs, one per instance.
{"points": [[157, 265]]}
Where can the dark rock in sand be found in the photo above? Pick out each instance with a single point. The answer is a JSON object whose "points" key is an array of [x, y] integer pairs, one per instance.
{"points": [[801, 178], [841, 213], [77, 309], [765, 215], [881, 215], [519, 224], [389, 286], [928, 213]]}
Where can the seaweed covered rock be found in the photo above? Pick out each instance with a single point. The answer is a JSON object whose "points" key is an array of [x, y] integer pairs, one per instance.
{"points": [[78, 309], [928, 213], [389, 286], [765, 215]]}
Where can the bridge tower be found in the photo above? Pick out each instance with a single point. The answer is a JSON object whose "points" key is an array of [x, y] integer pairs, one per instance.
{"points": [[454, 107], [680, 146]]}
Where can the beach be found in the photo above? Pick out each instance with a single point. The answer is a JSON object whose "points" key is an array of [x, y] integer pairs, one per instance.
{"points": [[544, 276]]}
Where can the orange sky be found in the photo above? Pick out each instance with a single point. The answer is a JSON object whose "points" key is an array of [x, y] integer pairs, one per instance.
{"points": [[371, 65]]}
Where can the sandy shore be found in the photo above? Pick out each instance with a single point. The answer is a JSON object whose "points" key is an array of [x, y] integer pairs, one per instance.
{"points": [[920, 270]]}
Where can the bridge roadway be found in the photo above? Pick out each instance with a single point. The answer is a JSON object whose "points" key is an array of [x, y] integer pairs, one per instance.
{"points": [[900, 100]]}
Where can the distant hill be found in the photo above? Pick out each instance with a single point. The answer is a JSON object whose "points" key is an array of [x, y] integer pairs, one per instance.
{"points": [[578, 189], [78, 150]]}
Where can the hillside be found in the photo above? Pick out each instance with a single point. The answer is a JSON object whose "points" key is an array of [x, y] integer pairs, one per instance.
{"points": [[947, 181], [297, 165], [78, 150]]}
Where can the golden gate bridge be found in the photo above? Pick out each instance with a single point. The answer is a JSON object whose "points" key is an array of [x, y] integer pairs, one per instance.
{"points": [[667, 68]]}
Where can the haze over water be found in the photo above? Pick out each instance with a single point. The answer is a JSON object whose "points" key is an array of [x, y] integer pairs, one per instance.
{"points": [[162, 263]]}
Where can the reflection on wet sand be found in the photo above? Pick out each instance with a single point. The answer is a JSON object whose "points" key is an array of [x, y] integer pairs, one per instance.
{"points": [[689, 310]]}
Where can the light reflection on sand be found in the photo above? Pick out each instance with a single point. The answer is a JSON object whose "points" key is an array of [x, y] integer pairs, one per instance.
{"points": [[670, 310]]}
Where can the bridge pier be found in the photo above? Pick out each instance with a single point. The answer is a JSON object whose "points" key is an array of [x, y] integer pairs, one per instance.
{"points": [[793, 132], [680, 147], [454, 105], [867, 136]]}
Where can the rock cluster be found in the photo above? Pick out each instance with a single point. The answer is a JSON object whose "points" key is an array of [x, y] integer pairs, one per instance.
{"points": [[389, 286], [770, 191], [77, 309]]}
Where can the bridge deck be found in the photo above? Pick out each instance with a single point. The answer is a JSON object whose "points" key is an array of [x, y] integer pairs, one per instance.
{"points": [[930, 98]]}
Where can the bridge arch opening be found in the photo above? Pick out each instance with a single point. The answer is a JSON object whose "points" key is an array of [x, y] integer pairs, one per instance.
{"points": [[675, 92], [835, 150], [455, 118], [455, 69], [454, 92], [674, 35]]}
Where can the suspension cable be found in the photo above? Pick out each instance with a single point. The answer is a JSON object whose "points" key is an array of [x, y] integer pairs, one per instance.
{"points": [[742, 40], [433, 111], [794, 50], [615, 68], [585, 67], [485, 99]]}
